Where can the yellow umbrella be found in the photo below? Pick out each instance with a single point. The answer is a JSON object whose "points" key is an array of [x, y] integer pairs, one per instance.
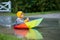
{"points": [[29, 24], [34, 23]]}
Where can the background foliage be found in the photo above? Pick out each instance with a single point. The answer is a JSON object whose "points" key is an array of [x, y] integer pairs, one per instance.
{"points": [[34, 5]]}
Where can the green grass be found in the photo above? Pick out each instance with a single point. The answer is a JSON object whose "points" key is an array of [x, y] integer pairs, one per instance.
{"points": [[8, 37], [26, 14], [29, 14], [14, 14]]}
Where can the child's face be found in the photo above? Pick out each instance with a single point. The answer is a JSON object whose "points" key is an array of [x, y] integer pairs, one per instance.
{"points": [[22, 15]]}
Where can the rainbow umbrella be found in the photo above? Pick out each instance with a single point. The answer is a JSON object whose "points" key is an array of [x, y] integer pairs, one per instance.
{"points": [[29, 24]]}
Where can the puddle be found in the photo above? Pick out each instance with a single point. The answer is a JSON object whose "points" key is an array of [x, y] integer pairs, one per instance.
{"points": [[28, 34]]}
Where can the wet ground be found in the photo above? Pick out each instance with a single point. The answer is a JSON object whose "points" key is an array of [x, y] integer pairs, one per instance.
{"points": [[46, 33], [49, 29]]}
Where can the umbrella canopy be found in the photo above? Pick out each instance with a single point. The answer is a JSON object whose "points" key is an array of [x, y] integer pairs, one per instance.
{"points": [[29, 24], [34, 23]]}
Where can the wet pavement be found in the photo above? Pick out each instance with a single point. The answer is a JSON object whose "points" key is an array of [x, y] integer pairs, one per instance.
{"points": [[49, 29], [46, 33], [52, 15]]}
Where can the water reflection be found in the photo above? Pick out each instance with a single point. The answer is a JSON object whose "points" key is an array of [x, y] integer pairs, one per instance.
{"points": [[28, 34], [20, 33], [5, 21]]}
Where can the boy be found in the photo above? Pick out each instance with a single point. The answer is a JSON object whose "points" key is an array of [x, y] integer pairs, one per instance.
{"points": [[20, 16]]}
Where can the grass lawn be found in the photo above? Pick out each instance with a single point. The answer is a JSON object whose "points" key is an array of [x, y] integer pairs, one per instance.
{"points": [[8, 37], [29, 14]]}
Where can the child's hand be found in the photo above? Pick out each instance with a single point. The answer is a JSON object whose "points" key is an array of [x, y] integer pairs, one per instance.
{"points": [[27, 19]]}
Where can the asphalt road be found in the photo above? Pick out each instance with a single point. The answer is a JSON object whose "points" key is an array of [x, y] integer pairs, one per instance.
{"points": [[49, 32], [54, 15]]}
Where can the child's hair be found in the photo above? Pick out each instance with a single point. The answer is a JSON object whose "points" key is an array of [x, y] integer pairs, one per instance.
{"points": [[19, 13]]}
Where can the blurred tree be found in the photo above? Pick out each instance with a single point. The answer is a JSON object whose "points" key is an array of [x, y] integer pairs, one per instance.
{"points": [[34, 5]]}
